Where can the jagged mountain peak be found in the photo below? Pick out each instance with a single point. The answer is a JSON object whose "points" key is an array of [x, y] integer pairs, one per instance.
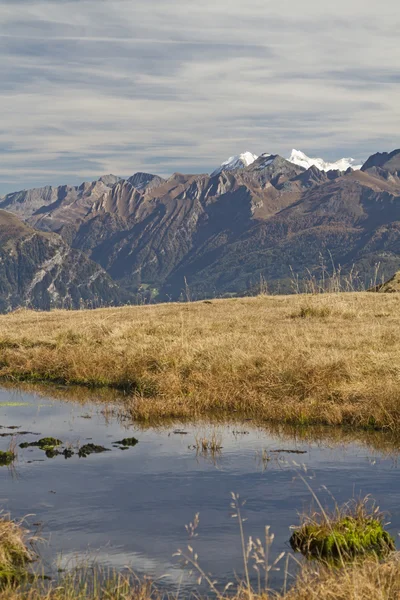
{"points": [[109, 180], [266, 160], [298, 157], [145, 181], [239, 161], [272, 168], [388, 161], [26, 203]]}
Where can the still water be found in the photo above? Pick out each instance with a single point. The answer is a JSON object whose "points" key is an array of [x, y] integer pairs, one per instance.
{"points": [[129, 508]]}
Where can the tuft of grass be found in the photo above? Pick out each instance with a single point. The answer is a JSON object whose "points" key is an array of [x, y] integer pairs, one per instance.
{"points": [[14, 553], [354, 530], [208, 444], [306, 312], [6, 458], [370, 579]]}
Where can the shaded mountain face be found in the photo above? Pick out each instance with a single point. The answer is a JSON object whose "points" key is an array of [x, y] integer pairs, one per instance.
{"points": [[219, 233], [353, 222], [39, 270]]}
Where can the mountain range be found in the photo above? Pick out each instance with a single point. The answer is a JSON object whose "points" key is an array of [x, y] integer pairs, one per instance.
{"points": [[297, 157], [118, 240]]}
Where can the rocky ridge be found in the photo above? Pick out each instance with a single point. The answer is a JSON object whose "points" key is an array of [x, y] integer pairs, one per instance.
{"points": [[218, 234], [39, 270]]}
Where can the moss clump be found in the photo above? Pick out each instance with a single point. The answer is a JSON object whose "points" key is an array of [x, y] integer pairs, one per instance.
{"points": [[128, 442], [345, 536], [88, 449], [44, 444], [52, 452], [6, 458]]}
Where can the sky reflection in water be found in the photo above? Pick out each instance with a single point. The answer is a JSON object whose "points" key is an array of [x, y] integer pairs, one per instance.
{"points": [[129, 508]]}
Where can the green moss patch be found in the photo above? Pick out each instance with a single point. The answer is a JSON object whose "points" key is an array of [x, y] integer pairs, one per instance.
{"points": [[52, 452], [88, 449], [345, 536], [6, 458], [44, 444]]}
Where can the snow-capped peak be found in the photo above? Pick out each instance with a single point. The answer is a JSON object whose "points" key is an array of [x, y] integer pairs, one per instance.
{"points": [[299, 158], [236, 162]]}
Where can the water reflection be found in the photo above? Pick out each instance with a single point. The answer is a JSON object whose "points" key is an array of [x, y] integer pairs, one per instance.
{"points": [[128, 508]]}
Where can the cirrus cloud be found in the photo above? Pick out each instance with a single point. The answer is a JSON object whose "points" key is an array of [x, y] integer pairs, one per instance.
{"points": [[165, 85]]}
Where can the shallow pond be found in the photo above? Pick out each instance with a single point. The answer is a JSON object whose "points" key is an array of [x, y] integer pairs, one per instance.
{"points": [[128, 508]]}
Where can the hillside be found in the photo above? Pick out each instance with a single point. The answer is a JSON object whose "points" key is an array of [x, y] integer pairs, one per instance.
{"points": [[40, 270], [218, 234], [278, 358]]}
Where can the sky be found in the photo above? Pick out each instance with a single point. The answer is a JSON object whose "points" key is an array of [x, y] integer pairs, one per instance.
{"points": [[118, 86]]}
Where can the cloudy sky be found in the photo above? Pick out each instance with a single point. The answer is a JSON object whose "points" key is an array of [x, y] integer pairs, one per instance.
{"points": [[97, 86]]}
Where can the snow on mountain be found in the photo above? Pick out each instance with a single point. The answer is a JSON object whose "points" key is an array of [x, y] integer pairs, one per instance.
{"points": [[236, 162], [299, 158]]}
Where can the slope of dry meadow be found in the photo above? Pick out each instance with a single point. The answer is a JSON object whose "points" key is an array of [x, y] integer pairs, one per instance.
{"points": [[328, 358]]}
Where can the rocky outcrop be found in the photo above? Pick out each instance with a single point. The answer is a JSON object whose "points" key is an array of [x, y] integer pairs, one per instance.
{"points": [[39, 270]]}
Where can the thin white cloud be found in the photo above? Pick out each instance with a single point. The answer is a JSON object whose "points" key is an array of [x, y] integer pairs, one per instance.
{"points": [[162, 85]]}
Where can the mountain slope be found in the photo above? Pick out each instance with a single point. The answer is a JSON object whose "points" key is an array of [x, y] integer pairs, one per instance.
{"points": [[41, 271], [26, 203], [140, 234], [220, 233], [353, 221]]}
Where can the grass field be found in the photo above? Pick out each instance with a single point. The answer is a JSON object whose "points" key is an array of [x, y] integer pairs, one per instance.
{"points": [[303, 359]]}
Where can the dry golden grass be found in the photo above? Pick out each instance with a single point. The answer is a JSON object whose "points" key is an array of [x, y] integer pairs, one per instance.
{"points": [[14, 553], [324, 359], [369, 580], [84, 585]]}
